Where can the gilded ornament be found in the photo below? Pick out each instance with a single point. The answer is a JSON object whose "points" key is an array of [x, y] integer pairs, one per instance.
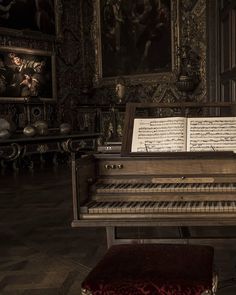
{"points": [[42, 148], [65, 128], [4, 134], [4, 124], [41, 127], [5, 129], [29, 131]]}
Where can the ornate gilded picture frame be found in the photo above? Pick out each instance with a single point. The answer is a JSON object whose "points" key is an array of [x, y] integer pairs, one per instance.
{"points": [[27, 74], [31, 18], [137, 40]]}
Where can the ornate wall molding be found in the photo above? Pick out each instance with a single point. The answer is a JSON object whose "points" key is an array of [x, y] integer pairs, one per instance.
{"points": [[77, 70], [150, 78], [192, 30]]}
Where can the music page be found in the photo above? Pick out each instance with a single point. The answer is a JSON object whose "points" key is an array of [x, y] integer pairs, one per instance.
{"points": [[211, 134], [159, 135]]}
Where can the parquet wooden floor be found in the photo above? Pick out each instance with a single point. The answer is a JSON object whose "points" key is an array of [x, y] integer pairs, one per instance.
{"points": [[40, 254]]}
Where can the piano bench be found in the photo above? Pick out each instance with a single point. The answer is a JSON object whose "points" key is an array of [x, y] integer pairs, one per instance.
{"points": [[152, 269]]}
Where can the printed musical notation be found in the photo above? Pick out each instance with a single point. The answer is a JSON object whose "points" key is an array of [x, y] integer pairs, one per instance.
{"points": [[211, 134], [176, 134], [159, 135]]}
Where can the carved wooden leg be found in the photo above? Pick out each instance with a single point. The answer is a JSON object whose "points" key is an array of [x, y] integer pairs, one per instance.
{"points": [[31, 165], [15, 165], [55, 160]]}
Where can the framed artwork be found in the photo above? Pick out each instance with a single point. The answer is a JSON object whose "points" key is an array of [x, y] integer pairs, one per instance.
{"points": [[31, 17], [26, 75], [136, 39]]}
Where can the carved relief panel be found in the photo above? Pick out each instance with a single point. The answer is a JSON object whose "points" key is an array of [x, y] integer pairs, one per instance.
{"points": [[78, 62]]}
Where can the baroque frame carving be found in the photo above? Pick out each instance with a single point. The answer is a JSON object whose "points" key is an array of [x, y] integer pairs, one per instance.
{"points": [[147, 78], [47, 58]]}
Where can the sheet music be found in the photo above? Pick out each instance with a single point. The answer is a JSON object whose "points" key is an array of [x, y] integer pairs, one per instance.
{"points": [[159, 135], [211, 134]]}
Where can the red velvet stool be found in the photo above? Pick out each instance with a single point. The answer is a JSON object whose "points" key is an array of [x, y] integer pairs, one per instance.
{"points": [[152, 269]]}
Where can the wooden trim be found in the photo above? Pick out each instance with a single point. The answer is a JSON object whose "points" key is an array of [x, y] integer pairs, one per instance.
{"points": [[167, 220], [111, 235], [74, 186]]}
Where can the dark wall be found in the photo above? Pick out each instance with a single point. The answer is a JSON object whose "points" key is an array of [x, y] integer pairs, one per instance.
{"points": [[76, 66], [69, 65]]}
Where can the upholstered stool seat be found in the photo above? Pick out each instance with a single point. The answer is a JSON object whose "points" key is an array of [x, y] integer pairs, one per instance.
{"points": [[152, 269]]}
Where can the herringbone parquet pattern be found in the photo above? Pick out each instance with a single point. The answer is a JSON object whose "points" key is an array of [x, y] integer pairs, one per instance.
{"points": [[40, 254]]}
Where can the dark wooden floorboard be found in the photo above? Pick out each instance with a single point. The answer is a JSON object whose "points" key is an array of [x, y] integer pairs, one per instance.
{"points": [[40, 254]]}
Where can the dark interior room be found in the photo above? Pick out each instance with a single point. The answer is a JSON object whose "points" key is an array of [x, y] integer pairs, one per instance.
{"points": [[117, 147]]}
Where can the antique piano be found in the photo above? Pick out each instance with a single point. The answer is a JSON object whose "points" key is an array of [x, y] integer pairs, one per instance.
{"points": [[165, 189]]}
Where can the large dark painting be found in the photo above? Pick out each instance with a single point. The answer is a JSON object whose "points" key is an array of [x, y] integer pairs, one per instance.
{"points": [[135, 37], [26, 74], [29, 15]]}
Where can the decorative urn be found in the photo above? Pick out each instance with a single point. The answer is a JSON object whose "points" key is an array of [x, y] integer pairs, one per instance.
{"points": [[29, 131], [185, 84], [65, 128], [41, 127]]}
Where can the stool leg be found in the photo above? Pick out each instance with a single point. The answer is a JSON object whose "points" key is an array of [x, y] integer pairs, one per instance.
{"points": [[214, 283], [85, 292], [184, 232], [207, 292], [214, 286]]}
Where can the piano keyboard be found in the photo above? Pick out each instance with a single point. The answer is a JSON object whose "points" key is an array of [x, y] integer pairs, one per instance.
{"points": [[164, 187], [161, 207]]}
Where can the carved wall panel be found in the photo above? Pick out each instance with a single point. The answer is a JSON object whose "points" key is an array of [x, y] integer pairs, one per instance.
{"points": [[76, 65], [16, 112], [192, 32], [70, 64]]}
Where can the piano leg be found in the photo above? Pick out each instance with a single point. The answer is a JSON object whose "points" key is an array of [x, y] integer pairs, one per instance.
{"points": [[111, 235], [184, 232]]}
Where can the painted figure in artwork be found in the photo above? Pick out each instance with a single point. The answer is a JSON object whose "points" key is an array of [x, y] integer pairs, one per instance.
{"points": [[43, 16], [153, 43], [5, 8], [30, 15], [136, 36], [27, 76]]}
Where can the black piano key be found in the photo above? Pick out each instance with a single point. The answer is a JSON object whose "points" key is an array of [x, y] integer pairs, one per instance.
{"points": [[152, 204]]}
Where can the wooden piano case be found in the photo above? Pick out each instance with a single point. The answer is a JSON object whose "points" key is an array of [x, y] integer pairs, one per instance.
{"points": [[154, 189]]}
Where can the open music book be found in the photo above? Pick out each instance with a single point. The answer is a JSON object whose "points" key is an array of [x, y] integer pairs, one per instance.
{"points": [[179, 134]]}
